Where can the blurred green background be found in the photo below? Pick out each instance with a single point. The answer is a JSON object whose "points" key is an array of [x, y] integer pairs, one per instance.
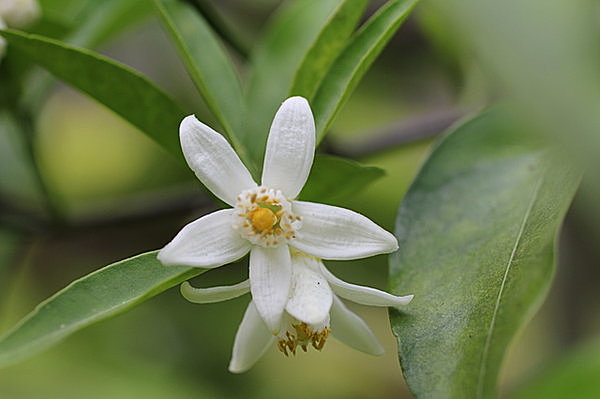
{"points": [[119, 194]]}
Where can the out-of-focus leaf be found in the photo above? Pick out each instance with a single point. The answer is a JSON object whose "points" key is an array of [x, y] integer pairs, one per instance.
{"points": [[326, 48], [333, 179], [543, 54], [287, 39], [207, 63], [125, 91], [97, 22], [98, 296], [477, 232], [17, 177], [347, 70], [574, 376]]}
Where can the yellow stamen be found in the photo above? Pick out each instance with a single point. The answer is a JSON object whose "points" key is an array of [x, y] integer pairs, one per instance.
{"points": [[263, 219]]}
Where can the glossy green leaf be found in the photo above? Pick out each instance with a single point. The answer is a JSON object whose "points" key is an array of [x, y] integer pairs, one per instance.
{"points": [[333, 179], [120, 88], [477, 232], [286, 41], [573, 376], [98, 296], [207, 63], [347, 70], [326, 48]]}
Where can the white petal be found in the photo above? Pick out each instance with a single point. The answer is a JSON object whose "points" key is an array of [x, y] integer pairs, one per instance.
{"points": [[290, 148], [270, 280], [364, 295], [310, 296], [352, 330], [330, 232], [213, 160], [214, 294], [209, 241], [251, 341]]}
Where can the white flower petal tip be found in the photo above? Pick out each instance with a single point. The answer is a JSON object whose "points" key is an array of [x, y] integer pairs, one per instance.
{"points": [[213, 294], [251, 341], [213, 160], [331, 232], [290, 147], [350, 329], [405, 300], [361, 294], [207, 242]]}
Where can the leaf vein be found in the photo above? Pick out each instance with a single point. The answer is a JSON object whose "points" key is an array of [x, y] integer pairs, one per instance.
{"points": [[488, 340]]}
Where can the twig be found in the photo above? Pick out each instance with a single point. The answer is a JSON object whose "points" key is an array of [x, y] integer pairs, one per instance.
{"points": [[404, 132]]}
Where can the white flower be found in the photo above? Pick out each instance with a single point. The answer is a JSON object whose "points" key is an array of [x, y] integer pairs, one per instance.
{"points": [[19, 13], [266, 220], [16, 14], [312, 312]]}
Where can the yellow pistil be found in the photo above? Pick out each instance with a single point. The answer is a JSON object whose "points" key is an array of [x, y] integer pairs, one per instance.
{"points": [[262, 219], [304, 335]]}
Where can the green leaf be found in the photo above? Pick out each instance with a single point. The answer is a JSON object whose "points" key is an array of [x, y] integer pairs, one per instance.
{"points": [[327, 47], [347, 70], [333, 179], [100, 295], [574, 376], [209, 66], [286, 41], [17, 175], [477, 232], [120, 88]]}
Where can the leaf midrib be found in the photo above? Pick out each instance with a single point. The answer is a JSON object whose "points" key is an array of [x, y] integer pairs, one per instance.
{"points": [[486, 348]]}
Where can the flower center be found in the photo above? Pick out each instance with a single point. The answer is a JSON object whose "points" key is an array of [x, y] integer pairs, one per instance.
{"points": [[302, 336], [264, 217]]}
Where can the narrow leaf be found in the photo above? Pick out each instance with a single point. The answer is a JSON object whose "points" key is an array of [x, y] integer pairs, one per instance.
{"points": [[326, 48], [207, 63], [333, 179], [287, 39], [100, 295], [477, 234], [120, 88], [347, 70]]}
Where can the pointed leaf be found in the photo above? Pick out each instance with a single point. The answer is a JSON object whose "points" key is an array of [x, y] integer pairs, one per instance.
{"points": [[287, 39], [100, 295], [333, 179], [477, 234], [347, 70], [120, 88], [326, 48], [207, 63]]}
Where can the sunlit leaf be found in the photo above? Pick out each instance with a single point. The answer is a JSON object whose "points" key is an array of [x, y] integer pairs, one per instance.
{"points": [[325, 49], [347, 70], [122, 89], [289, 36], [102, 294], [333, 179], [209, 66], [477, 232]]}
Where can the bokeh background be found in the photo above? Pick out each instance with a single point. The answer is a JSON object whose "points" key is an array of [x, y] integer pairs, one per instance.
{"points": [[117, 194]]}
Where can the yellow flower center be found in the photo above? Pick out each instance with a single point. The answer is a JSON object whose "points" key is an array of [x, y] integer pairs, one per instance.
{"points": [[301, 337], [262, 219]]}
